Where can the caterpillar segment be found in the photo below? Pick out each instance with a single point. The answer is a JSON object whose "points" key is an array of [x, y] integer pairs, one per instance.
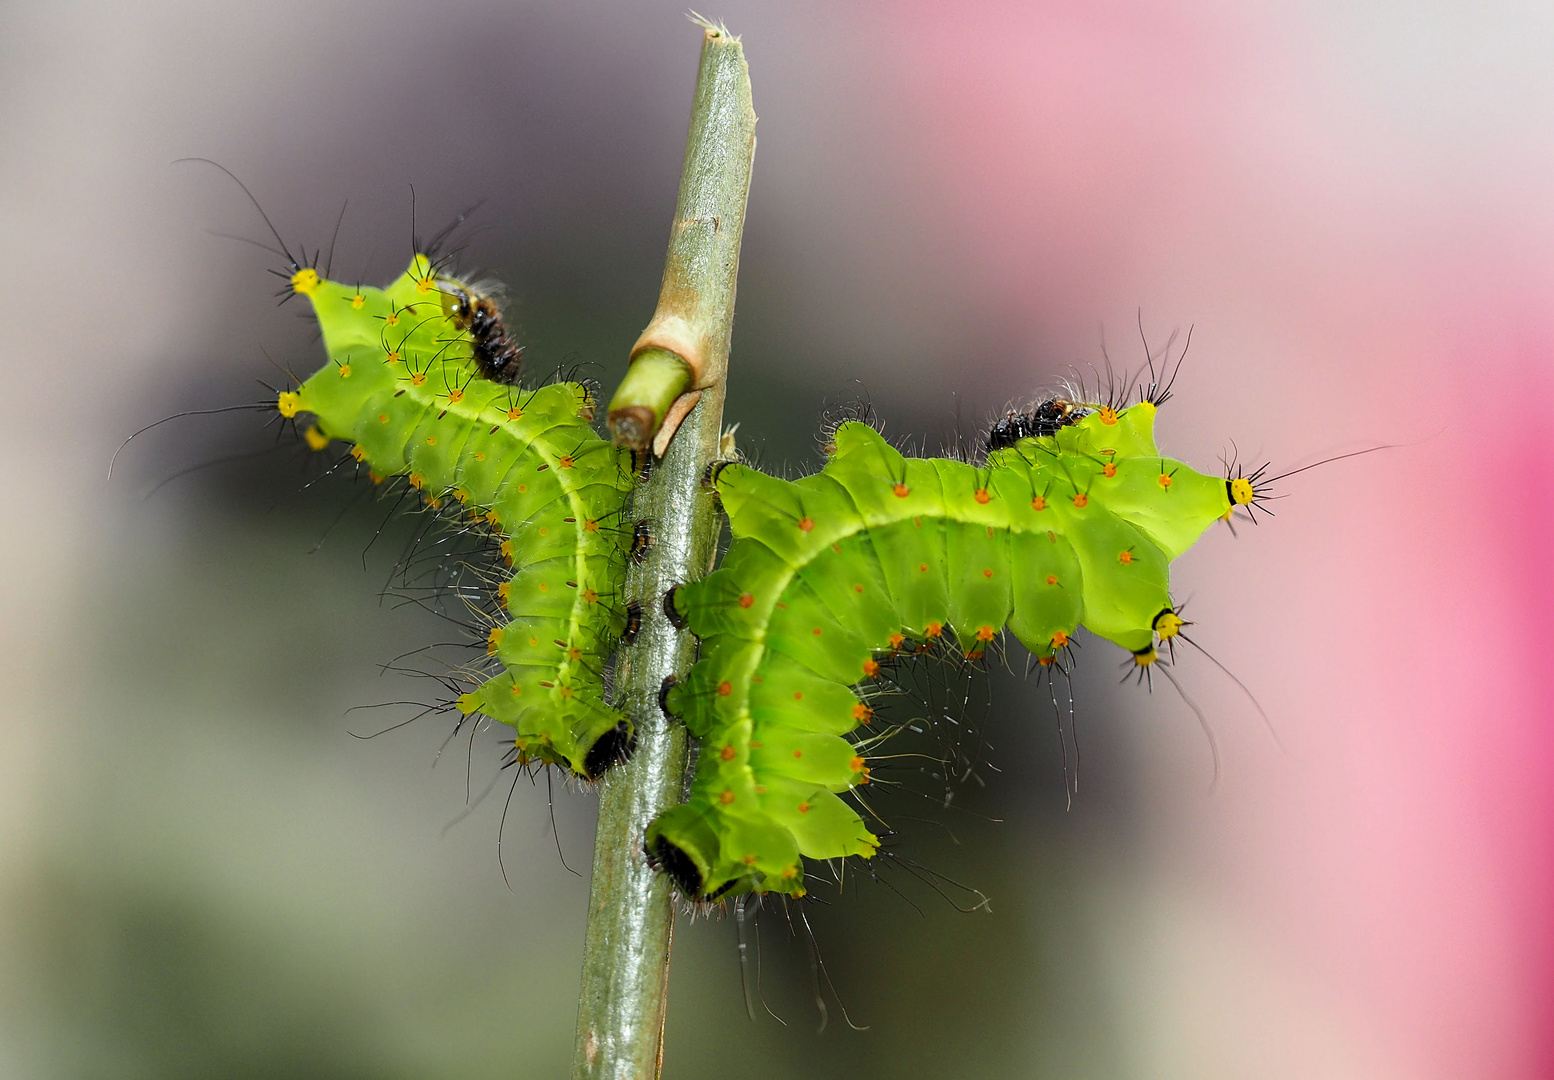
{"points": [[880, 554], [403, 383]]}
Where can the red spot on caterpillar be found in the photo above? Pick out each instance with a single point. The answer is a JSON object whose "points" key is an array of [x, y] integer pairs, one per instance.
{"points": [[862, 713], [933, 629], [590, 597], [1109, 469], [745, 600], [725, 688], [922, 567], [816, 631], [504, 590], [1108, 415], [726, 798], [514, 413], [987, 572], [798, 695], [896, 641], [1038, 503], [1081, 500], [806, 524], [901, 490], [431, 440], [985, 633], [1045, 661], [493, 640], [749, 858], [1125, 558], [728, 753], [566, 462], [1164, 480], [858, 588], [455, 396], [418, 378], [803, 807], [416, 481], [798, 753], [591, 526], [517, 689], [858, 765], [871, 668], [391, 357], [1052, 579], [507, 551], [982, 495], [1059, 639], [383, 418]]}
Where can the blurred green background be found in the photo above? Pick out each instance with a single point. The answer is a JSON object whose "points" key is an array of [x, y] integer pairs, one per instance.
{"points": [[203, 874]]}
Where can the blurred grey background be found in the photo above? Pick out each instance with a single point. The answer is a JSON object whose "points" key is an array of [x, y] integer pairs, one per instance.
{"points": [[203, 874]]}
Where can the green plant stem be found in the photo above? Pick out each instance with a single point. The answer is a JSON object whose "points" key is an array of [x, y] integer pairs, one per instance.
{"points": [[621, 1008], [654, 380]]}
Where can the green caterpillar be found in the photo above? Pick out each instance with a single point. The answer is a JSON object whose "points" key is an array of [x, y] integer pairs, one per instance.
{"points": [[1073, 520], [406, 382]]}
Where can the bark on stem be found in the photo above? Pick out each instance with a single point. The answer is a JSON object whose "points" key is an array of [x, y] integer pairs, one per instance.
{"points": [[621, 1009]]}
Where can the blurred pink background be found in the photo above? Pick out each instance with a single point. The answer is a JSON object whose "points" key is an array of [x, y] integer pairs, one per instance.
{"points": [[1355, 204], [1352, 205]]}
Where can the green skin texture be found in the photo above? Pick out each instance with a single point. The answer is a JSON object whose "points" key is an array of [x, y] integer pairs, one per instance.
{"points": [[402, 385], [878, 553]]}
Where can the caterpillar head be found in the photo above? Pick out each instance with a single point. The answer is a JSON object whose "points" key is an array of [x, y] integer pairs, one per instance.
{"points": [[1246, 489]]}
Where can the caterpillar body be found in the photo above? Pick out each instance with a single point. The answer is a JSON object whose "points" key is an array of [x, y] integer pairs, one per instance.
{"points": [[410, 382], [1072, 521]]}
